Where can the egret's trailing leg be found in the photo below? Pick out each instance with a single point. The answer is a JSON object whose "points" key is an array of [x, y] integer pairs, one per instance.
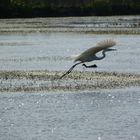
{"points": [[69, 71]]}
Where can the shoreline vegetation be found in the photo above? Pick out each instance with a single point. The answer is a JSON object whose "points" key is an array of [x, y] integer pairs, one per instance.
{"points": [[30, 81], [63, 8]]}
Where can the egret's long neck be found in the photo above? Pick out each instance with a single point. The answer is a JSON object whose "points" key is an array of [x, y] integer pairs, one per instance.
{"points": [[102, 57]]}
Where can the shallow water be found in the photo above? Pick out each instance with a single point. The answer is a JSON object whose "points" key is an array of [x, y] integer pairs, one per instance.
{"points": [[32, 106], [34, 44], [99, 115], [56, 51], [111, 24]]}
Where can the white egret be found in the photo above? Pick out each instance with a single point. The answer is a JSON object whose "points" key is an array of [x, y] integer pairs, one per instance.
{"points": [[90, 54]]}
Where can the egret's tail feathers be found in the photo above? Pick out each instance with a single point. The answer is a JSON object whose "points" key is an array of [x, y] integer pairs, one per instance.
{"points": [[106, 43]]}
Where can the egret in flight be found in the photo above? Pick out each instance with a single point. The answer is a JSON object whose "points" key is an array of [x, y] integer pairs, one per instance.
{"points": [[90, 54]]}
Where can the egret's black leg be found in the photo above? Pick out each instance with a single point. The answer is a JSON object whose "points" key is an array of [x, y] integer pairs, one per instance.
{"points": [[70, 70], [91, 66]]}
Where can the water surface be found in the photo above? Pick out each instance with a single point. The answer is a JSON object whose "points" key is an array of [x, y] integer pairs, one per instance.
{"points": [[56, 51], [99, 115], [52, 43], [30, 109]]}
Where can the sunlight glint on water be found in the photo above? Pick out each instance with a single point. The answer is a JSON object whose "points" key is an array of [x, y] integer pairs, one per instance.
{"points": [[56, 51], [98, 114]]}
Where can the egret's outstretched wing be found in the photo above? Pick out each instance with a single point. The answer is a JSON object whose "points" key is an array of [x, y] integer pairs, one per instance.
{"points": [[91, 51]]}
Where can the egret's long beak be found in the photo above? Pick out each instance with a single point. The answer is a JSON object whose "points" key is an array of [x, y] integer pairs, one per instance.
{"points": [[111, 49]]}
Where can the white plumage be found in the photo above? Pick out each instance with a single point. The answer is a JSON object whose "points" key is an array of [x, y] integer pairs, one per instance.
{"points": [[90, 54]]}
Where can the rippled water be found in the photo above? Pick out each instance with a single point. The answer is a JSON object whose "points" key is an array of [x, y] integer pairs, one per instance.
{"points": [[34, 44], [56, 51], [99, 115], [52, 44], [111, 24]]}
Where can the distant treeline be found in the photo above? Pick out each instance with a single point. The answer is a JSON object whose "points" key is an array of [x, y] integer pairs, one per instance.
{"points": [[43, 8]]}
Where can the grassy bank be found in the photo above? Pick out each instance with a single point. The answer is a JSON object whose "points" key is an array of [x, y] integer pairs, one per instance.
{"points": [[43, 8]]}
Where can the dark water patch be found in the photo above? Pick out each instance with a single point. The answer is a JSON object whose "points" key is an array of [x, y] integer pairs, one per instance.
{"points": [[14, 43]]}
